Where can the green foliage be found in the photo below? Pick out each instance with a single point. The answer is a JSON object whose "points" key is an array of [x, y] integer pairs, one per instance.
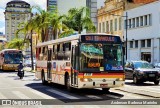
{"points": [[78, 19], [16, 43]]}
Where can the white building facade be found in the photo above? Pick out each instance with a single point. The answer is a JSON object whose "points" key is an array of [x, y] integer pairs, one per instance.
{"points": [[143, 33]]}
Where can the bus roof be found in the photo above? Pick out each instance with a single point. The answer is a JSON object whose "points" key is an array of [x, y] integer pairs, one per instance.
{"points": [[70, 38]]}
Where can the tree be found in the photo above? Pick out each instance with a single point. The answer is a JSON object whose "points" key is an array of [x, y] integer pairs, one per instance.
{"points": [[79, 19], [16, 43]]}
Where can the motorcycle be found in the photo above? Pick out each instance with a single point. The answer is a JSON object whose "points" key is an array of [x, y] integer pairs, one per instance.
{"points": [[20, 73]]}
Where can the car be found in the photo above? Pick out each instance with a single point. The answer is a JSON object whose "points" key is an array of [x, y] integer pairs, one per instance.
{"points": [[27, 63], [157, 66], [141, 71]]}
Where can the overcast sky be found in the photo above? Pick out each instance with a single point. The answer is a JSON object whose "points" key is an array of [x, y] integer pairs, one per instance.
{"points": [[41, 3]]}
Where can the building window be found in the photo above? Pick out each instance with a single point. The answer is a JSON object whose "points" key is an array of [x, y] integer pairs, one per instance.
{"points": [[133, 23], [115, 24], [111, 26], [107, 26], [99, 27], [137, 22], [130, 23], [150, 19], [148, 42], [103, 27], [120, 19], [145, 20], [136, 44], [141, 21], [131, 44], [142, 43]]}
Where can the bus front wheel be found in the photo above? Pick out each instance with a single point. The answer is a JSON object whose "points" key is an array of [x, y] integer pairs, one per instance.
{"points": [[68, 86]]}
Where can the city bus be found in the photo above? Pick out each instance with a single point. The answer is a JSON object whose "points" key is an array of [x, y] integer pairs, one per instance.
{"points": [[82, 61], [10, 59]]}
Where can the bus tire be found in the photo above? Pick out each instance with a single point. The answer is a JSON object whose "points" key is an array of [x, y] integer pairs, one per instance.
{"points": [[105, 90], [44, 82], [67, 83]]}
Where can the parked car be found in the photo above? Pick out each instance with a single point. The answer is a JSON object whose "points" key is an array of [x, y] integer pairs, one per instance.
{"points": [[141, 71], [157, 66]]}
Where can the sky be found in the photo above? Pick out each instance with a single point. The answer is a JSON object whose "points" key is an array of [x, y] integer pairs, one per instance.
{"points": [[41, 3]]}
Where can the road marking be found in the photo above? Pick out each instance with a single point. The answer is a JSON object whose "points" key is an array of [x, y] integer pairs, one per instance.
{"points": [[62, 94], [112, 96], [42, 94], [2, 96], [93, 97], [20, 95]]}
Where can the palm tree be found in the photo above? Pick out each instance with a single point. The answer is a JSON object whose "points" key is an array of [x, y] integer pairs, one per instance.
{"points": [[16, 43], [78, 19]]}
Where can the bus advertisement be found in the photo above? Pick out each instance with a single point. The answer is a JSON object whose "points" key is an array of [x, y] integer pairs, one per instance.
{"points": [[82, 61], [10, 59]]}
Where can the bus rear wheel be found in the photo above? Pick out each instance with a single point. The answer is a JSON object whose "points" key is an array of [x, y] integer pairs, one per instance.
{"points": [[44, 82]]}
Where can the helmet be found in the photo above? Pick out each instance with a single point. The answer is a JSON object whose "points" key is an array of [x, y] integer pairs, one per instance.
{"points": [[20, 62]]}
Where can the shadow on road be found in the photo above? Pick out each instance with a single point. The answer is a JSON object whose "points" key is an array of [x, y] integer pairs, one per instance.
{"points": [[78, 95]]}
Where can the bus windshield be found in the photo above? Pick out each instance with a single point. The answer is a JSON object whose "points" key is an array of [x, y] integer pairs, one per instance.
{"points": [[13, 58], [97, 57]]}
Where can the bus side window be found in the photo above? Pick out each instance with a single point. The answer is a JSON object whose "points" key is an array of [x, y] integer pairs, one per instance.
{"points": [[67, 51], [60, 52], [54, 50]]}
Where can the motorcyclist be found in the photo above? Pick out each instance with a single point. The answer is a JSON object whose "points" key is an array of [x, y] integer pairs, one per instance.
{"points": [[20, 69]]}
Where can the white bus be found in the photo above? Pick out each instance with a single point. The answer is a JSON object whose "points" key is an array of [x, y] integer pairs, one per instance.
{"points": [[82, 61]]}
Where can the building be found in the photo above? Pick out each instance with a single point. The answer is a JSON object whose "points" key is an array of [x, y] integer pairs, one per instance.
{"points": [[144, 33], [51, 4], [110, 17], [16, 12], [64, 5]]}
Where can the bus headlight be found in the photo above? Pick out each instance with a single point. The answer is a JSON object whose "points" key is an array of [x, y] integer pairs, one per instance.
{"points": [[120, 79], [86, 79]]}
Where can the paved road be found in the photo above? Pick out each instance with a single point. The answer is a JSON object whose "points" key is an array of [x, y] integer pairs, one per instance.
{"points": [[11, 87]]}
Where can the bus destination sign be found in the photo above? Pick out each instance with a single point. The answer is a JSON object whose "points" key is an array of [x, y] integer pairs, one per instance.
{"points": [[100, 38]]}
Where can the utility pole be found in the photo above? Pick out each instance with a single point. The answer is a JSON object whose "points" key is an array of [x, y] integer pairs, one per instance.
{"points": [[31, 51], [126, 32]]}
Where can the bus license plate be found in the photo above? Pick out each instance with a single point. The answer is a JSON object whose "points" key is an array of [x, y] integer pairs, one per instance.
{"points": [[151, 75], [103, 85]]}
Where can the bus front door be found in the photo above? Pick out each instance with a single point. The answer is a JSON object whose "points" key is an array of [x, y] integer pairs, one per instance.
{"points": [[49, 65], [74, 73]]}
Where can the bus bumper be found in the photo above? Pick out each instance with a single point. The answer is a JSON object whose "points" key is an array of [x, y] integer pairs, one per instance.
{"points": [[10, 67], [100, 84]]}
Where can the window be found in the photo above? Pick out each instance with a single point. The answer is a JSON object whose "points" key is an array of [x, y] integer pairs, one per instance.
{"points": [[103, 27], [136, 44], [133, 22], [145, 20], [120, 19], [142, 43], [125, 26], [115, 24], [107, 26], [150, 19], [130, 23], [111, 26], [137, 22], [67, 51], [148, 42], [99, 27], [141, 21], [131, 44]]}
